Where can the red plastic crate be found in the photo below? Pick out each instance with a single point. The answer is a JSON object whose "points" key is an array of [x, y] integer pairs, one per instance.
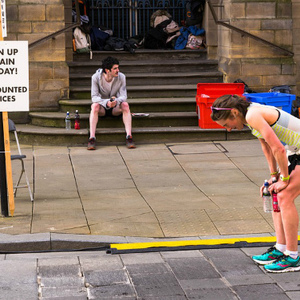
{"points": [[207, 93]]}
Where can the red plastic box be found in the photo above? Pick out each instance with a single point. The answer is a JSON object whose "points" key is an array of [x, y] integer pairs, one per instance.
{"points": [[207, 93]]}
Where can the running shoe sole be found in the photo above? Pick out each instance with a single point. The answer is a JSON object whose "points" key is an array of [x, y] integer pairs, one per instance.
{"points": [[260, 262], [290, 269]]}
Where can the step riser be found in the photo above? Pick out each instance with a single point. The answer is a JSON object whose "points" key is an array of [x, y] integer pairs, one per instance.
{"points": [[136, 108], [118, 123], [155, 81], [142, 56], [160, 127], [140, 138], [143, 94], [155, 68]]}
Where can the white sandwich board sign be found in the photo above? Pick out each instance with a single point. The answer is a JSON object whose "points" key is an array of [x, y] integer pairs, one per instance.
{"points": [[14, 76]]}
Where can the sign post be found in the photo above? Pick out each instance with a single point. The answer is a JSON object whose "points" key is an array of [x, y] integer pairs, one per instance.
{"points": [[14, 96]]}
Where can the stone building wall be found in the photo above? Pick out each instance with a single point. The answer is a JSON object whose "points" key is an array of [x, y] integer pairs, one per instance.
{"points": [[31, 20], [259, 65], [296, 39]]}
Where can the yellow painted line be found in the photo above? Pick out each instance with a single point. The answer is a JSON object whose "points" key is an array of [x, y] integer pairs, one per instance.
{"points": [[229, 241]]}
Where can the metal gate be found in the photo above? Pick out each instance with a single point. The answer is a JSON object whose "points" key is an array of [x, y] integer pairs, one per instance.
{"points": [[132, 17]]}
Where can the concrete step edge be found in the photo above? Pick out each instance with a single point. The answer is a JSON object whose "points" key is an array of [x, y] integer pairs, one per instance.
{"points": [[61, 115], [35, 130], [83, 102], [153, 75]]}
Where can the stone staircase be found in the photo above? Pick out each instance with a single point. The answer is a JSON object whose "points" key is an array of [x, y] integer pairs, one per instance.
{"points": [[161, 83]]}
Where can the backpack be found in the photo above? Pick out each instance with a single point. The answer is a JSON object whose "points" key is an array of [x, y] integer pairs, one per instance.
{"points": [[281, 89], [98, 38], [194, 12], [82, 41], [83, 6], [295, 107], [246, 87]]}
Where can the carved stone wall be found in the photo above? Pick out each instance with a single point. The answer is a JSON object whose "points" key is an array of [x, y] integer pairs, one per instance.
{"points": [[259, 65], [48, 70]]}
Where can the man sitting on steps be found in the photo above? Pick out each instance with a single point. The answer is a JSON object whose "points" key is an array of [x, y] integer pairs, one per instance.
{"points": [[109, 97]]}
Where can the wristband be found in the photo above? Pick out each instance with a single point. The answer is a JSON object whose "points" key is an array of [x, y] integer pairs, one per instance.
{"points": [[284, 179], [274, 173]]}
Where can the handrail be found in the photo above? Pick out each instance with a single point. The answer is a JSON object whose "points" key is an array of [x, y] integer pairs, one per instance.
{"points": [[52, 35], [243, 32]]}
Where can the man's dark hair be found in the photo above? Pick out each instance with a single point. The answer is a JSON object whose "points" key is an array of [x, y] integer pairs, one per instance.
{"points": [[108, 63]]}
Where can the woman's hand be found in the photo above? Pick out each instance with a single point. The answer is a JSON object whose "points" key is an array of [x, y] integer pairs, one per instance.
{"points": [[278, 186]]}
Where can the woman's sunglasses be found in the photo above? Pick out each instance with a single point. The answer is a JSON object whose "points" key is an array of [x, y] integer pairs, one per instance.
{"points": [[220, 108]]}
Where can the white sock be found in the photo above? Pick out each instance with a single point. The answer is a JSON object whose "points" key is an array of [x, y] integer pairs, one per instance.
{"points": [[292, 254], [280, 247]]}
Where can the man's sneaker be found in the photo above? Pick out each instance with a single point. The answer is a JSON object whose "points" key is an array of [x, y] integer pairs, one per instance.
{"points": [[91, 144], [129, 142], [268, 257], [284, 264]]}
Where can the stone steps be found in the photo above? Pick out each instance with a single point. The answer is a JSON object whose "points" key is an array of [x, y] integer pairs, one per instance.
{"points": [[153, 119], [149, 91], [161, 83], [144, 55], [38, 135], [137, 105], [159, 78]]}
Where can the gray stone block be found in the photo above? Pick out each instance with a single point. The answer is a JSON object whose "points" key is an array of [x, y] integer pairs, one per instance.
{"points": [[156, 285], [260, 291], [119, 291], [192, 268], [81, 297], [211, 294], [249, 279], [181, 254], [64, 291], [99, 278], [147, 269], [59, 271], [100, 261], [165, 298], [287, 281], [233, 267], [294, 295], [142, 258], [207, 283], [29, 292], [62, 281]]}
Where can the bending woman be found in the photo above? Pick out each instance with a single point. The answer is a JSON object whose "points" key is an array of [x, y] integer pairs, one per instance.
{"points": [[279, 135]]}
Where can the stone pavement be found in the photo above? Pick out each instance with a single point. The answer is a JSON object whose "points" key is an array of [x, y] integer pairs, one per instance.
{"points": [[188, 190], [223, 274], [155, 190]]}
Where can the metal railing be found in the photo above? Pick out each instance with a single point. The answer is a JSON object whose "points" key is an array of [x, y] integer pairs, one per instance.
{"points": [[141, 12], [128, 18], [245, 33]]}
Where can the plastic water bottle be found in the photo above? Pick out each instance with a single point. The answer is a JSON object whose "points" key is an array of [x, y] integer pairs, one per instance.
{"points": [[276, 207], [77, 120], [68, 121], [267, 198]]}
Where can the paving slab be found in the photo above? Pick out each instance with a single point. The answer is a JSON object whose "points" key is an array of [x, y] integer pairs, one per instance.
{"points": [[176, 198], [178, 190]]}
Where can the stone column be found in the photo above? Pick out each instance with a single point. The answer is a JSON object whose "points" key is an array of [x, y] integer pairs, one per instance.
{"points": [[259, 65], [48, 70], [296, 38]]}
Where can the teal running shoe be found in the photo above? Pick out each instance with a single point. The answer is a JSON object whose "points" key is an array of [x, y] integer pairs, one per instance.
{"points": [[284, 264], [271, 255]]}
